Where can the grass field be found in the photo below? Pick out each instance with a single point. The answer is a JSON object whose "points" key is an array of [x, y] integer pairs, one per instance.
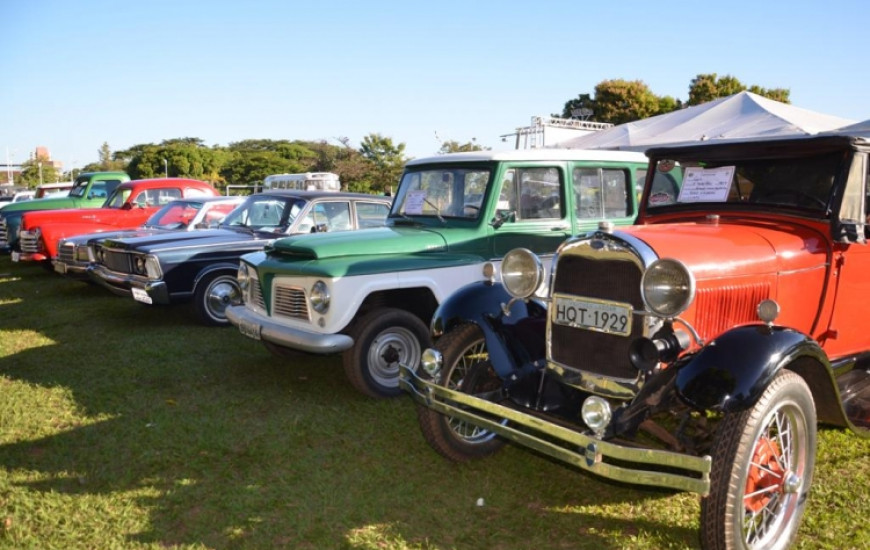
{"points": [[129, 426]]}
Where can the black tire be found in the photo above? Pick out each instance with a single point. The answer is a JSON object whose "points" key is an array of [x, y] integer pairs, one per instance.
{"points": [[382, 339], [212, 296], [466, 367], [762, 470]]}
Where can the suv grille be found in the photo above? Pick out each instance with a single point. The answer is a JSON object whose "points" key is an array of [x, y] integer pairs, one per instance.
{"points": [[3, 240], [290, 302], [257, 294], [612, 277]]}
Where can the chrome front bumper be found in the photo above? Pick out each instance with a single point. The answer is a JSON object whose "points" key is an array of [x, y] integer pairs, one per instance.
{"points": [[124, 284], [606, 459], [260, 327]]}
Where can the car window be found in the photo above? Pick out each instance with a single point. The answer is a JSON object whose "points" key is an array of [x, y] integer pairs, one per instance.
{"points": [[371, 214], [156, 197], [602, 193], [539, 190]]}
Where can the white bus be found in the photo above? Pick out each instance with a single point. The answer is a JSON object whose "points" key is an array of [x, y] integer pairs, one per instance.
{"points": [[309, 181]]}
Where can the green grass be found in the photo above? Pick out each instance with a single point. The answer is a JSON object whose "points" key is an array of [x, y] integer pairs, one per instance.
{"points": [[128, 426]]}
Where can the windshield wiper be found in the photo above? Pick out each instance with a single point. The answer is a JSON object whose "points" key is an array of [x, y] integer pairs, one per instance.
{"points": [[437, 210]]}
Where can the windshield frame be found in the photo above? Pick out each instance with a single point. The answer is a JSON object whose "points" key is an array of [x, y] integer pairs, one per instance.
{"points": [[447, 196]]}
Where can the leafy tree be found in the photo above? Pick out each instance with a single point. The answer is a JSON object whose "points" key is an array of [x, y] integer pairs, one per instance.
{"points": [[386, 159], [452, 146], [38, 170], [184, 157], [707, 87], [618, 101], [582, 101], [107, 161]]}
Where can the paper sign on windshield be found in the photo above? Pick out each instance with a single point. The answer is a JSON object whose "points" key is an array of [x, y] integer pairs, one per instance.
{"points": [[706, 185], [414, 202]]}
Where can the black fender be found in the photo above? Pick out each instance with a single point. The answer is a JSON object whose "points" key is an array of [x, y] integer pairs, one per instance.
{"points": [[731, 372], [513, 340], [222, 267]]}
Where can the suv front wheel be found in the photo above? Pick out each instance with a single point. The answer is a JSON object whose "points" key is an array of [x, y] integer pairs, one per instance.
{"points": [[384, 339]]}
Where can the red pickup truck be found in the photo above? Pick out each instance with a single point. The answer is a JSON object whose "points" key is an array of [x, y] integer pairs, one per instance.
{"points": [[129, 205]]}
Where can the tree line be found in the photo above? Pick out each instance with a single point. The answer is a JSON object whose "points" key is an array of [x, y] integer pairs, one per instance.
{"points": [[376, 165]]}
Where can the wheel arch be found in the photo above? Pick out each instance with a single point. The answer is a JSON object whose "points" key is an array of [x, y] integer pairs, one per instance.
{"points": [[419, 301], [731, 372], [223, 268]]}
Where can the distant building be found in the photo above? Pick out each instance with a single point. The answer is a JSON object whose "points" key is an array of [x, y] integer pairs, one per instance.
{"points": [[549, 131]]}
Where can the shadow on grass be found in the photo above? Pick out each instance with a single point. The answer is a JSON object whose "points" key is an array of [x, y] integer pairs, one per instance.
{"points": [[223, 445]]}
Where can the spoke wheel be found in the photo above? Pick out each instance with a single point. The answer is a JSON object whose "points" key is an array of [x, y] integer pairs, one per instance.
{"points": [[466, 368], [212, 296], [762, 470]]}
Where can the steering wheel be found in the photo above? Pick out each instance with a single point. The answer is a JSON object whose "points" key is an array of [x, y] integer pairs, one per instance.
{"points": [[799, 196]]}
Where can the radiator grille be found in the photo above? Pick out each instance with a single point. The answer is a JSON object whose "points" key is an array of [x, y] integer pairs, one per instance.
{"points": [[290, 302], [67, 253], [3, 239], [117, 261], [29, 242], [721, 308], [615, 277]]}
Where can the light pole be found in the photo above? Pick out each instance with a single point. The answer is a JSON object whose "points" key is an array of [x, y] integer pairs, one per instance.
{"points": [[165, 168]]}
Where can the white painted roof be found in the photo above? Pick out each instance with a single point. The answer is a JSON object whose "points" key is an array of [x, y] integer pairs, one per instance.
{"points": [[518, 155]]}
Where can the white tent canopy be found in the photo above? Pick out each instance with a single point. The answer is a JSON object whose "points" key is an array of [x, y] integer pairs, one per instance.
{"points": [[742, 115]]}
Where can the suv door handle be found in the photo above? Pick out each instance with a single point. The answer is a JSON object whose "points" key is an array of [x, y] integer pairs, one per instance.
{"points": [[559, 228]]}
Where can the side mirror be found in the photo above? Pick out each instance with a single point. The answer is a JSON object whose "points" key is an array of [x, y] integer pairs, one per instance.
{"points": [[502, 216], [127, 206]]}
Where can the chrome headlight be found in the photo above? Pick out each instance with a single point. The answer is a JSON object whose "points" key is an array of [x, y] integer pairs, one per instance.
{"points": [[139, 265], [522, 273], [667, 287], [596, 413], [243, 277], [319, 297]]}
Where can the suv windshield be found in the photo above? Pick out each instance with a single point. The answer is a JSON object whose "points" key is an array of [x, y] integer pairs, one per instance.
{"points": [[444, 191], [803, 182]]}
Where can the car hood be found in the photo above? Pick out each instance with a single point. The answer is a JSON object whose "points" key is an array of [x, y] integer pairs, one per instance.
{"points": [[171, 240], [121, 234], [50, 203], [382, 240], [721, 250]]}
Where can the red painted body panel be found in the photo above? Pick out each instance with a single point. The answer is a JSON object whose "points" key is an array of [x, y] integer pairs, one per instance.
{"points": [[57, 224]]}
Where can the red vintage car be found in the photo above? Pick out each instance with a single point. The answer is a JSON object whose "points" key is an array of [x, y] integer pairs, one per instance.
{"points": [[696, 350], [129, 206]]}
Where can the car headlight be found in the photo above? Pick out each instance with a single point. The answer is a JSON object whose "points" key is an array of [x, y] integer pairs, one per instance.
{"points": [[139, 265], [152, 267], [667, 287], [319, 297], [522, 273], [243, 277], [83, 253]]}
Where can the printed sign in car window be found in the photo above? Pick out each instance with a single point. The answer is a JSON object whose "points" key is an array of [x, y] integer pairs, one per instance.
{"points": [[706, 184], [414, 202]]}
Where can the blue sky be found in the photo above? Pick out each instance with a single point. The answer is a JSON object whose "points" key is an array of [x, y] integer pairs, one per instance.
{"points": [[78, 73]]}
